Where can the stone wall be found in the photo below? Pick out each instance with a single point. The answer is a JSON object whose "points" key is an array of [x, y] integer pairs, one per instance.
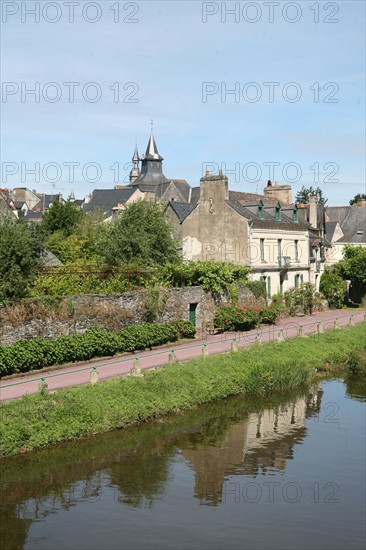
{"points": [[76, 314]]}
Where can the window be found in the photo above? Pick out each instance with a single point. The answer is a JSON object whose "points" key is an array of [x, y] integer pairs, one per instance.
{"points": [[262, 249], [296, 251], [281, 288], [297, 281], [260, 210], [278, 213], [302, 279], [296, 214], [279, 243], [269, 287]]}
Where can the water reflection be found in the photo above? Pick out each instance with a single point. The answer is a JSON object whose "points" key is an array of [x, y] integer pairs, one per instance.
{"points": [[234, 437], [260, 444]]}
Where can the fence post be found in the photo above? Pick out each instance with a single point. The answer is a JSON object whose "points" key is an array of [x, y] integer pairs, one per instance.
{"points": [[42, 385], [234, 345], [351, 320], [336, 323], [136, 369], [172, 357], [94, 376], [258, 338], [205, 350], [320, 328], [280, 337]]}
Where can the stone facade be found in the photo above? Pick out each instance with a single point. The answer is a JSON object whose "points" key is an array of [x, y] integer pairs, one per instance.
{"points": [[76, 314]]}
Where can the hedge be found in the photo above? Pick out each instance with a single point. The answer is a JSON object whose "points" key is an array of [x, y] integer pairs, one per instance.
{"points": [[28, 355]]}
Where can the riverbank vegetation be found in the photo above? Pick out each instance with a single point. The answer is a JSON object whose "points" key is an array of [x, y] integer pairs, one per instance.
{"points": [[40, 420]]}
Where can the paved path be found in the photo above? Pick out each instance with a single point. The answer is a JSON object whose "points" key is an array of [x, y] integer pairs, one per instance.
{"points": [[79, 373]]}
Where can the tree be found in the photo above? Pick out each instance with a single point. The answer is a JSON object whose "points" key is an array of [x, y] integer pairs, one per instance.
{"points": [[353, 268], [141, 235], [20, 250], [353, 265], [334, 289], [303, 196], [358, 197], [62, 217], [80, 245]]}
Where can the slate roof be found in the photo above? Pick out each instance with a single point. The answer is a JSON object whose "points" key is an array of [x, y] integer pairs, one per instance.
{"points": [[242, 196], [46, 200], [106, 199], [5, 209], [33, 216], [195, 194], [182, 209], [250, 211], [330, 229], [351, 219], [183, 188]]}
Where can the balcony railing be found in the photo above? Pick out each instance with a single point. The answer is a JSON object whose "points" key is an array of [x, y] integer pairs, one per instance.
{"points": [[284, 261]]}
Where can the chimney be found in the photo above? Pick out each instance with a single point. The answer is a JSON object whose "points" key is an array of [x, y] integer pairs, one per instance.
{"points": [[361, 203], [313, 211], [214, 188], [282, 193]]}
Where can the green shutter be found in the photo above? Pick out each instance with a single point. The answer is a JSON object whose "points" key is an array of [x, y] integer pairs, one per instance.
{"points": [[269, 287]]}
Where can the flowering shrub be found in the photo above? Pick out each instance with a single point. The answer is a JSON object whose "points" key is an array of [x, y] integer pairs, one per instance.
{"points": [[240, 318]]}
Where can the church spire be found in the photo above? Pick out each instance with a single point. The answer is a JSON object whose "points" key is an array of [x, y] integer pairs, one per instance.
{"points": [[151, 150], [135, 171], [151, 166]]}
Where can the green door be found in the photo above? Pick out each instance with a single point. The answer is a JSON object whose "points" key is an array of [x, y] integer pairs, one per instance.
{"points": [[192, 313]]}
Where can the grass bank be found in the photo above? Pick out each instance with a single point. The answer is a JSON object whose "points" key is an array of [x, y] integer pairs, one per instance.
{"points": [[40, 420]]}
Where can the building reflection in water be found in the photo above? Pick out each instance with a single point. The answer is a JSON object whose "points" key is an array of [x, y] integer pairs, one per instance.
{"points": [[259, 445], [219, 440]]}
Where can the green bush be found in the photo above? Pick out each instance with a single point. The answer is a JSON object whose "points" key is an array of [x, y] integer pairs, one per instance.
{"points": [[27, 355], [258, 288], [334, 289], [211, 275], [231, 317]]}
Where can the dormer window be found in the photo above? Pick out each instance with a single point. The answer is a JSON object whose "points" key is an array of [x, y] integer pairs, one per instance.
{"points": [[296, 214], [278, 213], [260, 210]]}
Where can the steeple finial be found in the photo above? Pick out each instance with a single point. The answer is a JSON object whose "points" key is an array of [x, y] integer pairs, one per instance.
{"points": [[135, 170], [152, 126]]}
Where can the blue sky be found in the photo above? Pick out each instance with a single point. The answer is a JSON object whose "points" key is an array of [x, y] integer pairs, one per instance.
{"points": [[169, 53]]}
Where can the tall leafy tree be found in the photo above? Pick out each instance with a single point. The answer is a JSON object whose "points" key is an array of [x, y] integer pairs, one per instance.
{"points": [[303, 196], [141, 235], [353, 265], [20, 251], [356, 198], [62, 217]]}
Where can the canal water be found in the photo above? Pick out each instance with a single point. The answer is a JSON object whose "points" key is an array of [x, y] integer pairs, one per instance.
{"points": [[236, 474]]}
